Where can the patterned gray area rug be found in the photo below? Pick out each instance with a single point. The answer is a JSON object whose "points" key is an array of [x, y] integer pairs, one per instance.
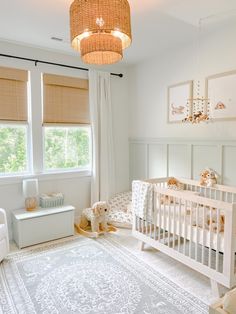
{"points": [[81, 275]]}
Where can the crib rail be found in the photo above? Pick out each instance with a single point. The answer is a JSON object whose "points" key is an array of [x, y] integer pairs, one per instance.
{"points": [[218, 192], [194, 227]]}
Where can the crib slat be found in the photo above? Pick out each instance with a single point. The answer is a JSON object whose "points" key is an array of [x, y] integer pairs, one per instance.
{"points": [[197, 224], [155, 215], [151, 221], [174, 223], [210, 239], [185, 235], [217, 239], [191, 230], [159, 224], [179, 225], [203, 233], [164, 223]]}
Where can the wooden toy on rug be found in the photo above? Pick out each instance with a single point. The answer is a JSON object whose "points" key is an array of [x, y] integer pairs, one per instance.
{"points": [[92, 221]]}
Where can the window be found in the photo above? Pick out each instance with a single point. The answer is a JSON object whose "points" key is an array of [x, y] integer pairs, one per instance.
{"points": [[13, 149], [13, 121], [66, 148], [66, 124]]}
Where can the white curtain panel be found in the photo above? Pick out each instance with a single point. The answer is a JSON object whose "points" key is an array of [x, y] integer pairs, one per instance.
{"points": [[103, 168]]}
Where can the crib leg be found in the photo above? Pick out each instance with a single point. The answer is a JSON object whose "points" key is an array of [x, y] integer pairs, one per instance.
{"points": [[141, 246], [215, 289]]}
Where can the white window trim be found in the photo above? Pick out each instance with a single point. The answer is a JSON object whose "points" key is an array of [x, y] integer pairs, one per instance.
{"points": [[17, 179]]}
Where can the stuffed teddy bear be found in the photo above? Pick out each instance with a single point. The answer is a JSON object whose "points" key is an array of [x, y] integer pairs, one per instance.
{"points": [[203, 177], [209, 221], [174, 184], [95, 216]]}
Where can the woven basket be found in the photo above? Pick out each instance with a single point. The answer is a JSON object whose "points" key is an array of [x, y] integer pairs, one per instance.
{"points": [[51, 200]]}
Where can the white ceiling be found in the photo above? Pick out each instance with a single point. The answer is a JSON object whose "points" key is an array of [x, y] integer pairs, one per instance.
{"points": [[157, 25]]}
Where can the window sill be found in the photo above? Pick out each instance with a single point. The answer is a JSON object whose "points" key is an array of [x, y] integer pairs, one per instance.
{"points": [[46, 176]]}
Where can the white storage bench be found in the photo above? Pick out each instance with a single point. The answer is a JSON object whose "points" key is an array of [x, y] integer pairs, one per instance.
{"points": [[42, 225]]}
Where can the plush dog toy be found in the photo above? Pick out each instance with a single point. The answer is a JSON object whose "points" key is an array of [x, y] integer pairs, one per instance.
{"points": [[95, 219], [95, 216]]}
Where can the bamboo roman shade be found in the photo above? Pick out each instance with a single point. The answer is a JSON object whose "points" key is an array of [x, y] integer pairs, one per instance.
{"points": [[13, 94], [65, 100]]}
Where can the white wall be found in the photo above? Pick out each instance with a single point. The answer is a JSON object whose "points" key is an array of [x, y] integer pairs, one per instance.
{"points": [[75, 187], [148, 83]]}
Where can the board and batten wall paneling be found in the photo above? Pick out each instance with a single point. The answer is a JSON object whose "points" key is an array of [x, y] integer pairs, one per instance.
{"points": [[150, 158], [206, 156], [229, 165], [138, 161], [179, 160], [157, 161]]}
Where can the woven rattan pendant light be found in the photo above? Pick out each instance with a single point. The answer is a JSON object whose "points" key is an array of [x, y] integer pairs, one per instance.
{"points": [[100, 29]]}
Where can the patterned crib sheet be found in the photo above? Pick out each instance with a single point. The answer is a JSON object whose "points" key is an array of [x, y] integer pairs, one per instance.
{"points": [[120, 214]]}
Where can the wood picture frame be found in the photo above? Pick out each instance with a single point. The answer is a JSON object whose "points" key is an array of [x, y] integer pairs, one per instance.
{"points": [[178, 96], [221, 92]]}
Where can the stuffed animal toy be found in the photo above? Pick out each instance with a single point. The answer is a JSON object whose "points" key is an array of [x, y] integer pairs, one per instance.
{"points": [[211, 179], [209, 221], [203, 177], [93, 222], [96, 216], [214, 222], [174, 184], [208, 178]]}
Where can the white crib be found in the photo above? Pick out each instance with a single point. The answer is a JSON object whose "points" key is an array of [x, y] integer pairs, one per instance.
{"points": [[176, 227]]}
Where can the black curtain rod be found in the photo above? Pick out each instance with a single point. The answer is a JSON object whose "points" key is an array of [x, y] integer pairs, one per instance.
{"points": [[53, 63]]}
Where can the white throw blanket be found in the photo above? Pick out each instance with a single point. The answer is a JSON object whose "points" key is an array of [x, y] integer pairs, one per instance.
{"points": [[142, 199]]}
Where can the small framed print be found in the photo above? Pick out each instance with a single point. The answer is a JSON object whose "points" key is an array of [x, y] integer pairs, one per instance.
{"points": [[178, 96], [221, 92]]}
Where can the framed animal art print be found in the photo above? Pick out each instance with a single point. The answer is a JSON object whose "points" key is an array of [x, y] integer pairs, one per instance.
{"points": [[221, 92], [178, 96]]}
